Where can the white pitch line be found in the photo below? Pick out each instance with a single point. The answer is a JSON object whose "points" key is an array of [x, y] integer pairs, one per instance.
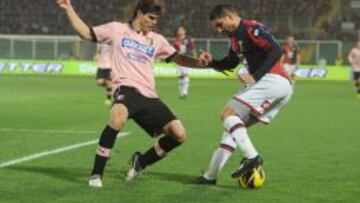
{"points": [[54, 151], [48, 131]]}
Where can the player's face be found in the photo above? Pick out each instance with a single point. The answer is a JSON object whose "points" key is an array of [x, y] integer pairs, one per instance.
{"points": [[148, 21], [291, 40], [225, 25], [181, 32]]}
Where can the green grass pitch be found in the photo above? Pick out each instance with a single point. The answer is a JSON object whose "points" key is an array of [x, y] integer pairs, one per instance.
{"points": [[311, 150]]}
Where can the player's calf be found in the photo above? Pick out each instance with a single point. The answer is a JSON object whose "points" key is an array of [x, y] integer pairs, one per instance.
{"points": [[106, 143], [100, 82], [140, 161]]}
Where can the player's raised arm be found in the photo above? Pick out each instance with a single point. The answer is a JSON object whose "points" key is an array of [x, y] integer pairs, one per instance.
{"points": [[79, 26]]}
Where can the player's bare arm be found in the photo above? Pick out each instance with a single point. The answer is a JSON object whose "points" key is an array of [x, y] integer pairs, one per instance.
{"points": [[79, 26], [187, 61], [247, 79], [350, 57], [282, 59], [298, 60]]}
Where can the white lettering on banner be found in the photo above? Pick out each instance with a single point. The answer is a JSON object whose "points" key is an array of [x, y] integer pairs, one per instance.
{"points": [[311, 73], [39, 68], [27, 67], [2, 66], [54, 68], [12, 66], [318, 73], [87, 68]]}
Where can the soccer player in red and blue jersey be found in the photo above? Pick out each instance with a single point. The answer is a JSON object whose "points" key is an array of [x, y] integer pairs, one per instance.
{"points": [[291, 58], [266, 93], [184, 44]]}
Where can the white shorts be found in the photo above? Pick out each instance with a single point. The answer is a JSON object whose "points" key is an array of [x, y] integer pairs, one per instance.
{"points": [[290, 69], [265, 98], [181, 70]]}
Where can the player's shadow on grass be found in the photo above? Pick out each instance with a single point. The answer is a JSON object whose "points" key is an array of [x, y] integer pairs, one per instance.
{"points": [[173, 177], [188, 179], [75, 175]]}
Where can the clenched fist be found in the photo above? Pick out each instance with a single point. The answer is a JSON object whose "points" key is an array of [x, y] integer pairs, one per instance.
{"points": [[64, 4]]}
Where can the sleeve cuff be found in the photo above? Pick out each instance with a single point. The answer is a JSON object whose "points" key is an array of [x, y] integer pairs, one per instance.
{"points": [[92, 34], [170, 58]]}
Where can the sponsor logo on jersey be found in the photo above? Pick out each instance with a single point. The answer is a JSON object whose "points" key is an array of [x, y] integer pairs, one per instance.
{"points": [[256, 32], [136, 57], [132, 44]]}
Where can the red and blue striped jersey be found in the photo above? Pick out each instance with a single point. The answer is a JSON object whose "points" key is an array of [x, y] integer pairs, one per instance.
{"points": [[254, 42]]}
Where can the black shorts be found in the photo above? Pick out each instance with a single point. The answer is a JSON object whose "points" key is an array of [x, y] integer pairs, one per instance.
{"points": [[149, 113], [103, 73], [356, 75]]}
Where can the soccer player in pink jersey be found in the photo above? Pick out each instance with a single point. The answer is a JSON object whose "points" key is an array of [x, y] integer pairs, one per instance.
{"points": [[354, 59], [103, 74], [134, 48]]}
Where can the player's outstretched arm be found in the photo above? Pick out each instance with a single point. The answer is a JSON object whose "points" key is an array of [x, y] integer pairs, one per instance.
{"points": [[350, 57], [79, 26], [190, 62], [229, 62]]}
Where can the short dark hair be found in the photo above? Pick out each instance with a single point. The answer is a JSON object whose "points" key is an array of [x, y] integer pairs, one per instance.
{"points": [[221, 11], [148, 6]]}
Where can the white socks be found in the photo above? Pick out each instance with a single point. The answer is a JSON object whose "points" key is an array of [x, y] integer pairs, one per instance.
{"points": [[218, 160], [235, 135], [235, 126], [184, 86], [220, 156]]}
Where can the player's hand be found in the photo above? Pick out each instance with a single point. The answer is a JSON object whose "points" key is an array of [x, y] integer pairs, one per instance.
{"points": [[64, 4], [205, 58], [247, 79]]}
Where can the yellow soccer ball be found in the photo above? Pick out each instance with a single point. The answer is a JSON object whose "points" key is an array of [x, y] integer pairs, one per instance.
{"points": [[253, 179]]}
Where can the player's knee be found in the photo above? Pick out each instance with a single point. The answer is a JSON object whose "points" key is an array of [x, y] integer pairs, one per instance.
{"points": [[107, 83], [116, 123], [226, 113], [177, 130], [181, 136], [100, 82], [118, 117], [223, 116]]}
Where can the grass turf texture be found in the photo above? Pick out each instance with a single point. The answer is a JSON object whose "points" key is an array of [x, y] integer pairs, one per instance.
{"points": [[311, 151]]}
